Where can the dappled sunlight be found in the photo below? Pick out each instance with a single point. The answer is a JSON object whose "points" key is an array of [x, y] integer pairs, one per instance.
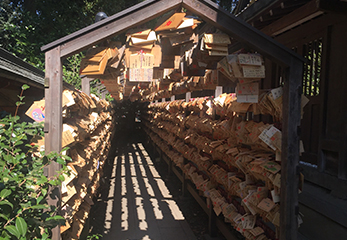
{"points": [[138, 199], [142, 170], [148, 160], [131, 160], [158, 214], [139, 161], [111, 194], [123, 186], [149, 187], [163, 189], [122, 170], [141, 215], [140, 146], [114, 168], [132, 170], [154, 172], [136, 186], [124, 217], [175, 210]]}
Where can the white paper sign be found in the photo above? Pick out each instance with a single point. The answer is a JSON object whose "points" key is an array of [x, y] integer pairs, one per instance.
{"points": [[271, 131], [249, 59], [277, 92], [266, 139]]}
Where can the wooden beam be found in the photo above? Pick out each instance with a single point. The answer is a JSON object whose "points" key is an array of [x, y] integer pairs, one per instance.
{"points": [[103, 95], [241, 31], [295, 18], [54, 99], [94, 26], [188, 96], [53, 120], [290, 151], [86, 84], [121, 22], [218, 91], [310, 28], [212, 227], [255, 9]]}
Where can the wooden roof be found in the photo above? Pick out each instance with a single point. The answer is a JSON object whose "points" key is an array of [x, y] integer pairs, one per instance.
{"points": [[150, 9], [274, 17], [12, 67], [264, 12]]}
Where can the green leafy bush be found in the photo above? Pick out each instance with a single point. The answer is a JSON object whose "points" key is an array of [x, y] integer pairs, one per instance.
{"points": [[24, 189]]}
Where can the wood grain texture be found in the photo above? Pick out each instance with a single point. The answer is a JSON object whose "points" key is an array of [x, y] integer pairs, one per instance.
{"points": [[124, 21], [296, 17], [86, 84], [290, 152], [53, 120], [241, 31], [54, 100], [96, 25]]}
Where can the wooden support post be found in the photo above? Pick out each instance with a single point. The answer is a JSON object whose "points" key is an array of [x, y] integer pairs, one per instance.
{"points": [[218, 91], [188, 96], [185, 190], [152, 147], [103, 95], [54, 120], [169, 168], [184, 186], [161, 156], [86, 84], [211, 219], [169, 164], [290, 151]]}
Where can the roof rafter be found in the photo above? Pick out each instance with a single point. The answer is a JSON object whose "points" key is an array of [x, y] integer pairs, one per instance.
{"points": [[150, 9], [241, 31], [111, 26]]}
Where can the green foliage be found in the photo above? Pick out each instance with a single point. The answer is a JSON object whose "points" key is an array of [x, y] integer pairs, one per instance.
{"points": [[27, 25], [109, 97], [94, 89], [94, 236], [71, 70], [24, 211]]}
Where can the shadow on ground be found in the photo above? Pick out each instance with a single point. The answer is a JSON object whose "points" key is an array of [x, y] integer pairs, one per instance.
{"points": [[138, 192]]}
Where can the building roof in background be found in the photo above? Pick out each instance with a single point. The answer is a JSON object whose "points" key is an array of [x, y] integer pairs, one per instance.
{"points": [[16, 69], [263, 12]]}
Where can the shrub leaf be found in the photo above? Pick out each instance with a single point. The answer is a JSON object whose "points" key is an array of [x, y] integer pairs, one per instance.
{"points": [[5, 192], [13, 230], [21, 226]]}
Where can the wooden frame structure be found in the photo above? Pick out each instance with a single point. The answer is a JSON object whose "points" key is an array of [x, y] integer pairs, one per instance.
{"points": [[315, 26], [218, 17]]}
